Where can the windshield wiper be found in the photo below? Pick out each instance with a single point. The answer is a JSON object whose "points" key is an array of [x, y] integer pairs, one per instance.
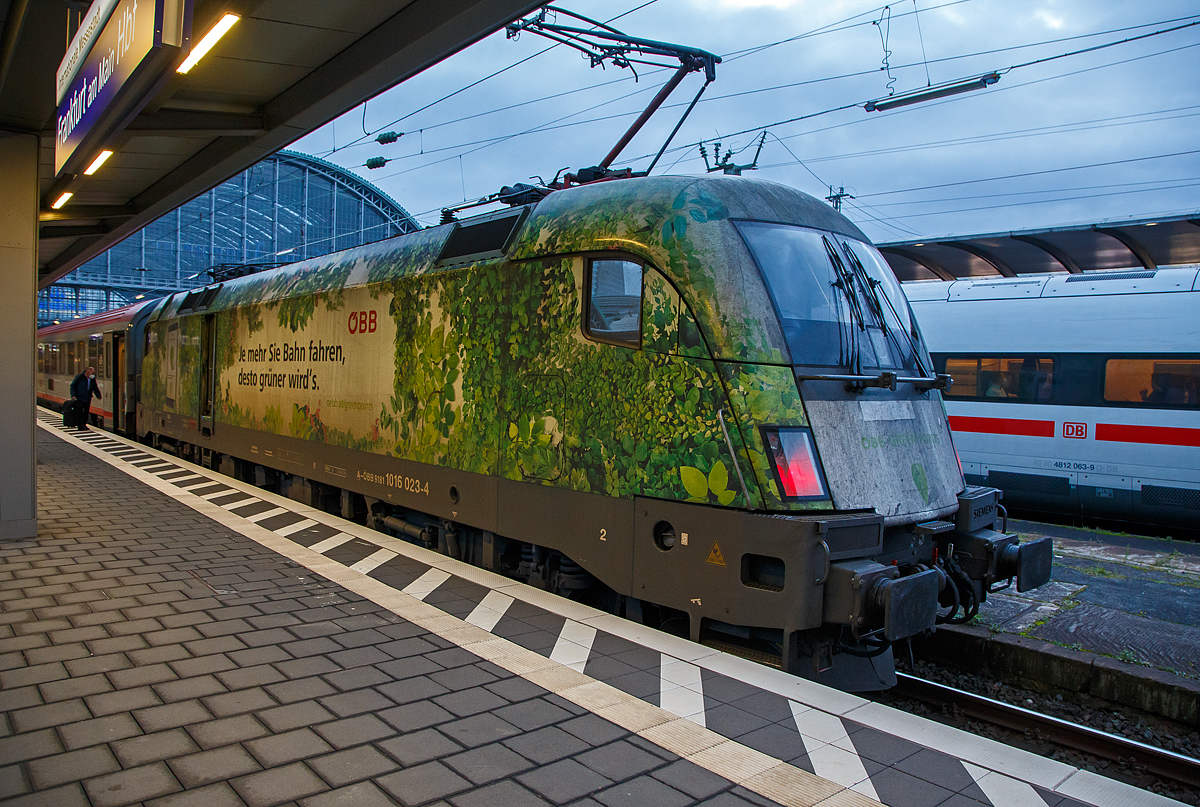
{"points": [[885, 380]]}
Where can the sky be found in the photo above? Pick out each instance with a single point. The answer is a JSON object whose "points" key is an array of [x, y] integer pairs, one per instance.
{"points": [[1103, 136]]}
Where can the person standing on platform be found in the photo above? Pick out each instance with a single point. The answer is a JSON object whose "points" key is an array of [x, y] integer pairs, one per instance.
{"points": [[82, 389]]}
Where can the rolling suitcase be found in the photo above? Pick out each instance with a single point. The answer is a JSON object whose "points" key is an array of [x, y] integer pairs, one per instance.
{"points": [[71, 413]]}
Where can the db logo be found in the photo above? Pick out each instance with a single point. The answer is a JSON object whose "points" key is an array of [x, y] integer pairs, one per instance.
{"points": [[362, 322], [1076, 430]]}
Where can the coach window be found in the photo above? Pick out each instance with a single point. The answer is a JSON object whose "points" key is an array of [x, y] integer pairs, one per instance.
{"points": [[1167, 382], [1029, 379], [614, 304]]}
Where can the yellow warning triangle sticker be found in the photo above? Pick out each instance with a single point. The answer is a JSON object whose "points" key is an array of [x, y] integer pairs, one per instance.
{"points": [[715, 557]]}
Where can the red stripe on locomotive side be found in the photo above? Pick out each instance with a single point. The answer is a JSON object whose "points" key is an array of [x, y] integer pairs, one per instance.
{"points": [[1155, 435], [1013, 426]]}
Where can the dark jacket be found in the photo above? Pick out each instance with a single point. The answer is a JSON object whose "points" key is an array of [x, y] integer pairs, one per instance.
{"points": [[83, 389]]}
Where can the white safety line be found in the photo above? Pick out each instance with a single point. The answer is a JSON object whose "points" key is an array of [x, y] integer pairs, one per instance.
{"points": [[490, 610], [426, 584], [373, 561], [332, 542], [574, 645], [830, 749], [302, 524], [1004, 791], [219, 493], [681, 689], [264, 515]]}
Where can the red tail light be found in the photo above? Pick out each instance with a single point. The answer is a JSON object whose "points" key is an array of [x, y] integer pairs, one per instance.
{"points": [[794, 459]]}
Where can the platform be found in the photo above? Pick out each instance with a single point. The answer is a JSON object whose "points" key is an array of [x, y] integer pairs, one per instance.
{"points": [[174, 637]]}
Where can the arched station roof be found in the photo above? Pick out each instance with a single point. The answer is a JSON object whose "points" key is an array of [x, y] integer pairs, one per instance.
{"points": [[1144, 244]]}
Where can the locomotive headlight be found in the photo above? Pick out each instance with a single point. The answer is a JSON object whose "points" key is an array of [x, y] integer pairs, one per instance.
{"points": [[794, 459]]}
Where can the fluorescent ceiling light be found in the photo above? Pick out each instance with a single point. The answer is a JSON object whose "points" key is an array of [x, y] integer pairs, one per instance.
{"points": [[62, 200], [96, 163], [206, 44]]}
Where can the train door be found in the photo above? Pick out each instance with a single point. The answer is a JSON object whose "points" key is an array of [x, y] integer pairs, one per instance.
{"points": [[172, 363], [120, 389], [208, 350]]}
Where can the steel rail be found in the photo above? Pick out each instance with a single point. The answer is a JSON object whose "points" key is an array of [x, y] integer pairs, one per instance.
{"points": [[1160, 761]]}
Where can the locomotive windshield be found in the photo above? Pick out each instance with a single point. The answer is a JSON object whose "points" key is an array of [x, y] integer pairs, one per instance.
{"points": [[838, 302]]}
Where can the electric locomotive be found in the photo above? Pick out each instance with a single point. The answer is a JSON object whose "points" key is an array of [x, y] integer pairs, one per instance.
{"points": [[701, 403]]}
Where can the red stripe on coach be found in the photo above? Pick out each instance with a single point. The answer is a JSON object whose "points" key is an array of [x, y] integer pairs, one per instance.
{"points": [[1157, 435], [1020, 428]]}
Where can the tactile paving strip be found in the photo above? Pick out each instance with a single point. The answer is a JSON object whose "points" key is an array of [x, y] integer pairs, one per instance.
{"points": [[858, 752]]}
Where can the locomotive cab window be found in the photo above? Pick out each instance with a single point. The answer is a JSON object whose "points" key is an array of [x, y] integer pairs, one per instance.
{"points": [[614, 303], [1167, 382], [1029, 379]]}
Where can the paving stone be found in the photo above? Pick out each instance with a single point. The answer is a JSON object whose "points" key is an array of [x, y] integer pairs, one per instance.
{"points": [[72, 766], [424, 783], [304, 667], [619, 760], [564, 781], [417, 715], [216, 765], [59, 652], [20, 747], [412, 689], [352, 765], [278, 785], [471, 701], [358, 678], [533, 714], [515, 689], [203, 665], [95, 664], [280, 749], [243, 700], [141, 676], [217, 795], [130, 786], [99, 730], [898, 788], [153, 747], [546, 745], [71, 795], [478, 730], [363, 794], [22, 698], [124, 700], [265, 655], [593, 730], [488, 763], [642, 791], [508, 793], [156, 718], [37, 674], [354, 730], [235, 729], [303, 713], [691, 779], [186, 688], [300, 689], [12, 782], [157, 655], [54, 714], [356, 702]]}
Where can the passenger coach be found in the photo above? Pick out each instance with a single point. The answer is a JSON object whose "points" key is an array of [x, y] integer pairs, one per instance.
{"points": [[1075, 394]]}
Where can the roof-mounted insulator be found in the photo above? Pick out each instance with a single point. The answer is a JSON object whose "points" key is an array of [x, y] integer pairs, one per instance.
{"points": [[376, 162], [389, 137]]}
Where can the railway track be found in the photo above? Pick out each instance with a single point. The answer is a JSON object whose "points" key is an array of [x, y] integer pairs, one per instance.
{"points": [[1167, 764]]}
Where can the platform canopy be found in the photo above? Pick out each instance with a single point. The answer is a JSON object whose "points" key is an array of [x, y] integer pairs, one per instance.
{"points": [[286, 68], [1144, 244]]}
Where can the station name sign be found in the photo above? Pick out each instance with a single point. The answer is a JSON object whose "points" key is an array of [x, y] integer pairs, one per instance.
{"points": [[118, 74]]}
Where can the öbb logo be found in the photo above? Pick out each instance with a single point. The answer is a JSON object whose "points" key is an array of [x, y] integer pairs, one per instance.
{"points": [[1076, 430], [362, 322]]}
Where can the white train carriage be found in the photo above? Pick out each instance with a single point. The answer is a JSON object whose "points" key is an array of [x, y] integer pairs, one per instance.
{"points": [[1075, 394]]}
